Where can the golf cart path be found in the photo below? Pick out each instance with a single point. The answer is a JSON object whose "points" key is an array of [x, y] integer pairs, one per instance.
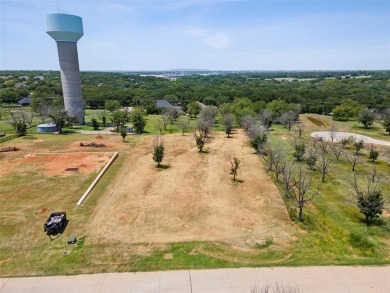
{"points": [[308, 279], [326, 135]]}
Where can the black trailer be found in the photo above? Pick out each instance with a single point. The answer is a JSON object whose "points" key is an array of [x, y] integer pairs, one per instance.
{"points": [[55, 224]]}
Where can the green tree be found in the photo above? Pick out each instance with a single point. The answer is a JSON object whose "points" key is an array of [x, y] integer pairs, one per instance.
{"points": [[119, 118], [366, 117], [95, 124], [123, 132], [60, 119], [373, 153], [158, 150], [137, 117], [348, 109], [370, 201], [112, 105], [194, 109], [299, 150], [20, 127], [386, 120]]}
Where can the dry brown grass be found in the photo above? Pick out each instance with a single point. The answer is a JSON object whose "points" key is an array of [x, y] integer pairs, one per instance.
{"points": [[193, 199]]}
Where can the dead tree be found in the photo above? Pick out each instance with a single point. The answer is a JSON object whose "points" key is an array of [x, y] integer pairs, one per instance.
{"points": [[164, 119], [287, 172], [272, 156], [300, 128], [234, 165], [184, 124], [302, 193], [333, 133], [353, 159], [337, 149], [323, 164]]}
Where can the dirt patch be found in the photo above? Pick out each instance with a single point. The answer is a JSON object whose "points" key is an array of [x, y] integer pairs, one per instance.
{"points": [[56, 164], [386, 214], [44, 211], [285, 137], [168, 256], [193, 199]]}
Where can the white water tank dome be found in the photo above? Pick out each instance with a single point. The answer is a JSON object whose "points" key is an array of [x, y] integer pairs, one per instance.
{"points": [[47, 128]]}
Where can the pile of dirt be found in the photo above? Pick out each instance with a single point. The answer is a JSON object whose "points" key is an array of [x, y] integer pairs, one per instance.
{"points": [[9, 149], [92, 144]]}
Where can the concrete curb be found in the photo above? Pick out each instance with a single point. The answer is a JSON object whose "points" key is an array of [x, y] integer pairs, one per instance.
{"points": [[86, 193]]}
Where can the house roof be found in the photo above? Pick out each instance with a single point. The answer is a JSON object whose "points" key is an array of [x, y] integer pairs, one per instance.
{"points": [[25, 101], [19, 85], [163, 104]]}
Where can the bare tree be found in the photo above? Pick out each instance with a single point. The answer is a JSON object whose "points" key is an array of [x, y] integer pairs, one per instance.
{"points": [[266, 118], [287, 172], [300, 128], [311, 158], [228, 122], [353, 159], [272, 156], [247, 121], [258, 137], [346, 141], [373, 174], [337, 149], [43, 110], [323, 164], [303, 193], [386, 154], [159, 125], [333, 133], [164, 118], [287, 119], [234, 165], [184, 124]]}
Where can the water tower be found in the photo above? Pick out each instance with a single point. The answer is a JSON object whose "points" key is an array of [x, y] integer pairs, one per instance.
{"points": [[66, 30]]}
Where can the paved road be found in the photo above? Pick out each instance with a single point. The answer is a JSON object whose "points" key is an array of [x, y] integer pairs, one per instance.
{"points": [[326, 135], [330, 279]]}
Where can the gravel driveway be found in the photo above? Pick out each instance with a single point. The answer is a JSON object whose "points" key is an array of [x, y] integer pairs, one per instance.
{"points": [[326, 135]]}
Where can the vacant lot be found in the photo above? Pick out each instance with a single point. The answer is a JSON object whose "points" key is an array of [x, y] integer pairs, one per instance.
{"points": [[193, 197]]}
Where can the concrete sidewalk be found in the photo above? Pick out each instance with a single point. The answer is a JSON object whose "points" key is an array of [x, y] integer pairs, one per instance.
{"points": [[307, 279]]}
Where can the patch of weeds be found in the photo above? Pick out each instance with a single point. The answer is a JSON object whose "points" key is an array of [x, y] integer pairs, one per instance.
{"points": [[267, 243], [364, 243], [29, 137], [80, 243]]}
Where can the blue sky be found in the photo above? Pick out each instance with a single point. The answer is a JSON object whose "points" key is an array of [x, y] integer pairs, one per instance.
{"points": [[203, 34]]}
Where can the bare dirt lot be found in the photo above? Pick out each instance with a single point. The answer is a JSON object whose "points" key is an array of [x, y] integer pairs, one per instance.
{"points": [[192, 198], [55, 164]]}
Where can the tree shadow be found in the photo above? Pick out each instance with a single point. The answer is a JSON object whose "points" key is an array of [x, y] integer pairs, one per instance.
{"points": [[238, 180], [163, 167]]}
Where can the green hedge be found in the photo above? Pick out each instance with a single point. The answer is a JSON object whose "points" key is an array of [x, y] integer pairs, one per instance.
{"points": [[8, 137]]}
